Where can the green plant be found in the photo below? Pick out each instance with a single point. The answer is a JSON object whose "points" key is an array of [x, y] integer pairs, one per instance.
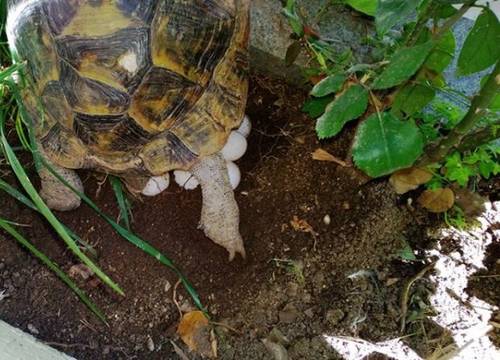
{"points": [[398, 98], [122, 201]]}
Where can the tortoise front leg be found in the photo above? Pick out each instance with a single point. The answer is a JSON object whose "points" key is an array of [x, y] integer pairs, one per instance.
{"points": [[220, 216], [56, 195]]}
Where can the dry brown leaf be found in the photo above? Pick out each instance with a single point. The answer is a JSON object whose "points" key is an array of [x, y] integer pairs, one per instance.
{"points": [[470, 202], [194, 330], [409, 179], [438, 200], [323, 155], [302, 226]]}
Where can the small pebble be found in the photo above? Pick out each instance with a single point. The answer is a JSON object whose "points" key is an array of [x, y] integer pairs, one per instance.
{"points": [[288, 315], [32, 329], [277, 351], [327, 220], [168, 286], [309, 313], [334, 316], [150, 344]]}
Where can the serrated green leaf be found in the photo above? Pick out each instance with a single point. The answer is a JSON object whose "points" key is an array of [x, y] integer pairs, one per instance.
{"points": [[442, 54], [486, 168], [328, 85], [406, 253], [413, 98], [481, 48], [368, 7], [393, 12], [384, 144], [315, 107], [346, 107], [403, 64]]}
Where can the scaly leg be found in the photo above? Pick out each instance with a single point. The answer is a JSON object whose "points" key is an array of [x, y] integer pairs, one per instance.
{"points": [[56, 195], [220, 216]]}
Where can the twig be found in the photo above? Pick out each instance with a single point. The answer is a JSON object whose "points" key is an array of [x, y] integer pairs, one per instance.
{"points": [[406, 293], [68, 346], [476, 111], [174, 297], [481, 136], [226, 326]]}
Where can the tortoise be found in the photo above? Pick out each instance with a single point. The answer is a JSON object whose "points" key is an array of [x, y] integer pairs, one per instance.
{"points": [[136, 88]]}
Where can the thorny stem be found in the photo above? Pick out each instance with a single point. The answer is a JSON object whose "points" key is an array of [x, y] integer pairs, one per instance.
{"points": [[476, 111]]}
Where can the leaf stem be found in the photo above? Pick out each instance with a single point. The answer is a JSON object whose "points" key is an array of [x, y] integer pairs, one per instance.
{"points": [[453, 19], [480, 137], [479, 103]]}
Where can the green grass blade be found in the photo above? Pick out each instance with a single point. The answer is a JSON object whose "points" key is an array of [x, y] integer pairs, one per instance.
{"points": [[16, 194], [4, 224], [47, 213], [122, 201], [134, 239]]}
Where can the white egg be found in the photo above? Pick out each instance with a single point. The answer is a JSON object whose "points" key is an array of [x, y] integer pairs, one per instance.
{"points": [[235, 147], [245, 127], [186, 180], [234, 174], [156, 185]]}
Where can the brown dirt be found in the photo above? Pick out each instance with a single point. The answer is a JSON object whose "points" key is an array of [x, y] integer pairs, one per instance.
{"points": [[280, 180]]}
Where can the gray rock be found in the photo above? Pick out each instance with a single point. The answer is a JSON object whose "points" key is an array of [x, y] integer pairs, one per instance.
{"points": [[270, 35], [277, 351]]}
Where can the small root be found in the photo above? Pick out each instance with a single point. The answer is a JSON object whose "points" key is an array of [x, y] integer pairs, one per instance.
{"points": [[174, 298], [406, 293]]}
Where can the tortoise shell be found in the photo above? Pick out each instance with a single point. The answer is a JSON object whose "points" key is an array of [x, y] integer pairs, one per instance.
{"points": [[132, 86]]}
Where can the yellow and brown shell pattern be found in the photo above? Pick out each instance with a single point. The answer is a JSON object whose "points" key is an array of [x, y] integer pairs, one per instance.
{"points": [[132, 86]]}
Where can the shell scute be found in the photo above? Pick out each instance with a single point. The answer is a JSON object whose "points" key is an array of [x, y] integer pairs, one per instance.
{"points": [[119, 60], [190, 37], [63, 146], [34, 44], [92, 19], [56, 107], [163, 151], [162, 97], [90, 96], [141, 9], [59, 13], [110, 133]]}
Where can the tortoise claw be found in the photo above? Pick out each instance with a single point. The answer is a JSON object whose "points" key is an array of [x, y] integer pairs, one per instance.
{"points": [[234, 248]]}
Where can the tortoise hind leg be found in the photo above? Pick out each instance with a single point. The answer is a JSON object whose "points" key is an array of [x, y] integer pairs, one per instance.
{"points": [[220, 216], [56, 195]]}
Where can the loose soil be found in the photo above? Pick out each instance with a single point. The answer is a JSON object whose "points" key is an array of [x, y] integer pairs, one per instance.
{"points": [[346, 279]]}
